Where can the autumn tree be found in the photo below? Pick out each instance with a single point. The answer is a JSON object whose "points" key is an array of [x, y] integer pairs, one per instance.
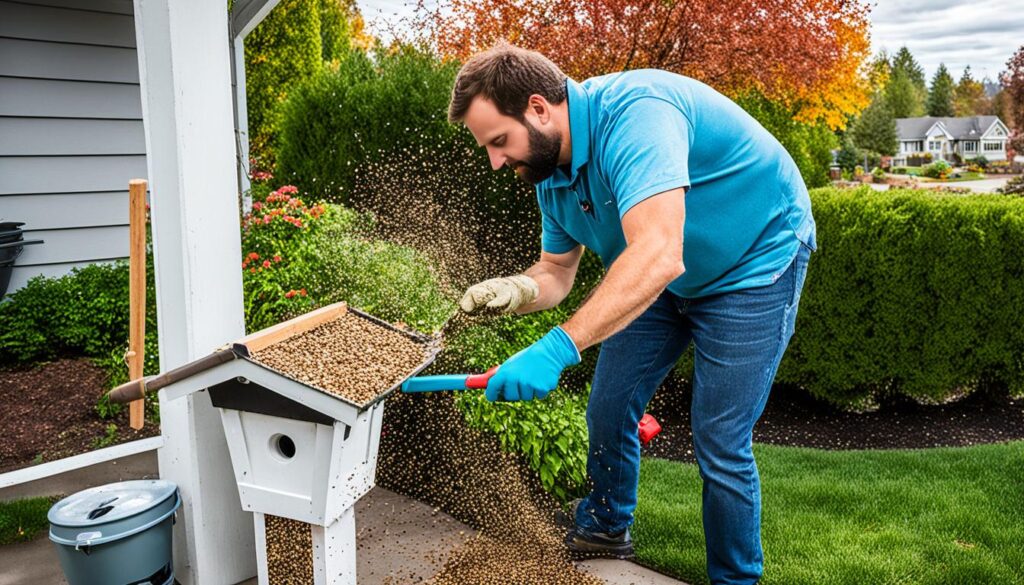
{"points": [[940, 95], [1013, 87], [969, 95], [807, 54]]}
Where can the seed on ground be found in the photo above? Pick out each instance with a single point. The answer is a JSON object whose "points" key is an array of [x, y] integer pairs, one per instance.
{"points": [[289, 551]]}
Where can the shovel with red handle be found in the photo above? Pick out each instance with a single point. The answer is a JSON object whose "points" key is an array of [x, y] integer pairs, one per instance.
{"points": [[451, 382], [648, 427]]}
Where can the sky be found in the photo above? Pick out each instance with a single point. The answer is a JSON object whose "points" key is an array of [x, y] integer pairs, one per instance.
{"points": [[983, 33], [980, 33]]}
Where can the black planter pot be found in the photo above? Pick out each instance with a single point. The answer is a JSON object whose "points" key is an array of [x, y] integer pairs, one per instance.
{"points": [[6, 268], [11, 235], [11, 250]]}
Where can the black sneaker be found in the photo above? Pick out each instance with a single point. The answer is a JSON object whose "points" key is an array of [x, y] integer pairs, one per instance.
{"points": [[584, 544]]}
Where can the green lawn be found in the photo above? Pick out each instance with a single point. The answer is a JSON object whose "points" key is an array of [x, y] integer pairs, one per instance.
{"points": [[925, 516], [21, 520]]}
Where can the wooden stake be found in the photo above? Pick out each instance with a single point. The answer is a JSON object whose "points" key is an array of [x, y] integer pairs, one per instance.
{"points": [[137, 280]]}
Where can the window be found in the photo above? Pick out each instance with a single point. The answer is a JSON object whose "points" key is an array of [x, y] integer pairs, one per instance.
{"points": [[993, 147], [970, 147], [934, 145]]}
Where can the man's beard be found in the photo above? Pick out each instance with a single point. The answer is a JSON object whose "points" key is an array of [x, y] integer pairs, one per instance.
{"points": [[543, 158]]}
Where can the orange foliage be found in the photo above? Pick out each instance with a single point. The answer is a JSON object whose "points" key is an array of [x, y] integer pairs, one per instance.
{"points": [[809, 54]]}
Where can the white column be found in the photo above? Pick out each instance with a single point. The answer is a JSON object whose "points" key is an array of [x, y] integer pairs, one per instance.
{"points": [[262, 569], [334, 551], [185, 76]]}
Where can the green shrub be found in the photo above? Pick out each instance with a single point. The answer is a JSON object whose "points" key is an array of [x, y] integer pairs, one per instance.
{"points": [[284, 49], [911, 292], [550, 433], [359, 111], [85, 312], [848, 156], [979, 161], [939, 169], [297, 257], [395, 283]]}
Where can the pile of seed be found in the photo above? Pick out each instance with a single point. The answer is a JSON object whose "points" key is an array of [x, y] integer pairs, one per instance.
{"points": [[349, 356], [428, 453], [289, 551]]}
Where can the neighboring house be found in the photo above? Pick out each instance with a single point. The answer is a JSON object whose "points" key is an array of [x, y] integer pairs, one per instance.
{"points": [[71, 129], [951, 139]]}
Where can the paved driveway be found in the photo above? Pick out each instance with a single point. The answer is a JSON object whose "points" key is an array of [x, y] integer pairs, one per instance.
{"points": [[979, 186]]}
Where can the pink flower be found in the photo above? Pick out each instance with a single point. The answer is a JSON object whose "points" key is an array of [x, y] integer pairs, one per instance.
{"points": [[257, 206], [288, 189], [277, 258], [254, 256], [266, 263], [267, 218]]}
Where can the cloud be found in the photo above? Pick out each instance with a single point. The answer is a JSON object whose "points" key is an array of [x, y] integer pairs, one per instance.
{"points": [[982, 34]]}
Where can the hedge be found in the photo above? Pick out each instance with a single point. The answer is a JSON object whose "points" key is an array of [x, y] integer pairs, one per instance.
{"points": [[289, 46], [359, 110], [911, 292]]}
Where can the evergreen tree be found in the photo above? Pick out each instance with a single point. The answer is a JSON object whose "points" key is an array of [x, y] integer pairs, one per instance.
{"points": [[940, 96], [848, 156], [875, 130], [902, 97], [906, 91], [904, 61]]}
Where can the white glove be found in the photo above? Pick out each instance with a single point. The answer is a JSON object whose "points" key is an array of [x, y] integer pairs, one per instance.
{"points": [[501, 294]]}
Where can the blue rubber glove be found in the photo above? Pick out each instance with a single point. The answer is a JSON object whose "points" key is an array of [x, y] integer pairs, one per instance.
{"points": [[534, 371]]}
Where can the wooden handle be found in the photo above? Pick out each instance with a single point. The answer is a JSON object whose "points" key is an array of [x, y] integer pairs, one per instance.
{"points": [[278, 333], [137, 287], [137, 388], [128, 392]]}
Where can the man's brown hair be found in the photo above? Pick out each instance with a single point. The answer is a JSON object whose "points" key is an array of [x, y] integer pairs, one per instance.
{"points": [[508, 76]]}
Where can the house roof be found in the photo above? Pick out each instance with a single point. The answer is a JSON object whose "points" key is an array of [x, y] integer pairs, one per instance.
{"points": [[966, 128]]}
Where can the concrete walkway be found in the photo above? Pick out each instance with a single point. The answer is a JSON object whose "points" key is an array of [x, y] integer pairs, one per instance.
{"points": [[400, 539]]}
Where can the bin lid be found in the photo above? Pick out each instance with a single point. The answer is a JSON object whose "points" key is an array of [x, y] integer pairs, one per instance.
{"points": [[111, 502]]}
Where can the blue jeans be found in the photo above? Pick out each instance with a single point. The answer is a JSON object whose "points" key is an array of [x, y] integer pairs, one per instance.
{"points": [[739, 338]]}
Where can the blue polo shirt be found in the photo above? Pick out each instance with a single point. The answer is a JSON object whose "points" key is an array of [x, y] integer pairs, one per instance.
{"points": [[640, 133]]}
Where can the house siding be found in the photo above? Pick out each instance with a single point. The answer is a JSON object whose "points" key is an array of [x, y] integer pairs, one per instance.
{"points": [[71, 130]]}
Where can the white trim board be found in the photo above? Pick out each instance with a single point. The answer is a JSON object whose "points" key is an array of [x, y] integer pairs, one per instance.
{"points": [[51, 468]]}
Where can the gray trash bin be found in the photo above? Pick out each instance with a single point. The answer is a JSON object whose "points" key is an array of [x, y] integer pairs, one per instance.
{"points": [[116, 534]]}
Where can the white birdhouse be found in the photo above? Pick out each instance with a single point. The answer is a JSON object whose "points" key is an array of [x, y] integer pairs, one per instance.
{"points": [[297, 451]]}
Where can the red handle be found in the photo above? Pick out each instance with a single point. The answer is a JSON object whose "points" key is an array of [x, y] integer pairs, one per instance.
{"points": [[480, 380], [649, 428]]}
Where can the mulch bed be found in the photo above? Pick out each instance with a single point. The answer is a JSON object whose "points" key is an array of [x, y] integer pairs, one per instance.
{"points": [[792, 418], [49, 413]]}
